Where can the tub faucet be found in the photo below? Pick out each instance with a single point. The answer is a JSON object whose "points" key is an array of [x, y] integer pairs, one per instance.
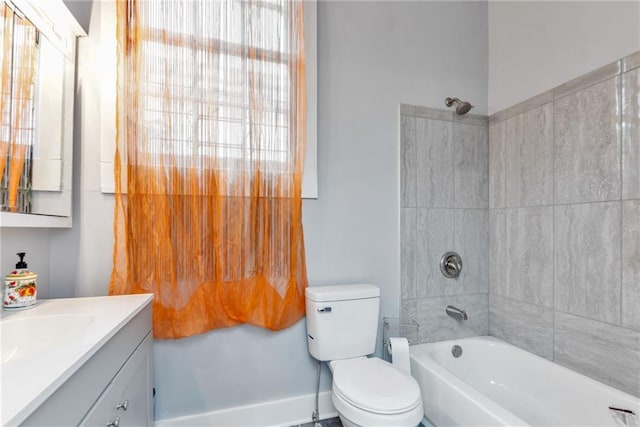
{"points": [[456, 313]]}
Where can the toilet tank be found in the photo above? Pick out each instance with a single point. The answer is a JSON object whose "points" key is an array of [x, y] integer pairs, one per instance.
{"points": [[342, 321]]}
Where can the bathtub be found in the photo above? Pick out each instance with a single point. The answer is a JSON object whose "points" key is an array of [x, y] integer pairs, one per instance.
{"points": [[496, 384]]}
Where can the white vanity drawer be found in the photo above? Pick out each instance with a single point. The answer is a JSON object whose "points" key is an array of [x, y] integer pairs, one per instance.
{"points": [[127, 401], [71, 403]]}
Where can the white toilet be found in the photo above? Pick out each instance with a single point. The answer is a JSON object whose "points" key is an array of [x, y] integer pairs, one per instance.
{"points": [[342, 323]]}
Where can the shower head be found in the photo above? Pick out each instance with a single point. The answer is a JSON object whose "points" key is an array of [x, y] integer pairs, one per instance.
{"points": [[462, 108]]}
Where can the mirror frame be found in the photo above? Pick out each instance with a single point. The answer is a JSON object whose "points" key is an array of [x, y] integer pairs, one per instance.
{"points": [[54, 20]]}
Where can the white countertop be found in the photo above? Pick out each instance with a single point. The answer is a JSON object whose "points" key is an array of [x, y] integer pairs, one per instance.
{"points": [[28, 381]]}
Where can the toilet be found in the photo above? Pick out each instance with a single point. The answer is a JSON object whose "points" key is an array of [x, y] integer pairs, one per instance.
{"points": [[342, 325]]}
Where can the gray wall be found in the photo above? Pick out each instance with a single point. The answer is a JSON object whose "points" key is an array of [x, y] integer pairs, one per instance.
{"points": [[444, 207], [371, 57], [565, 225], [536, 45]]}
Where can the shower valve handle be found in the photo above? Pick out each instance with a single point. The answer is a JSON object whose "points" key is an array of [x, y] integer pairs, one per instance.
{"points": [[451, 265]]}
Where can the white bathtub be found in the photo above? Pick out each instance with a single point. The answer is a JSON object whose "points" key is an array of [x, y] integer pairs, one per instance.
{"points": [[494, 383]]}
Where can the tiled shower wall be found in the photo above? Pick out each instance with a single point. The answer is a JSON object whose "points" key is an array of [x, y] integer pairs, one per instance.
{"points": [[444, 207], [564, 225]]}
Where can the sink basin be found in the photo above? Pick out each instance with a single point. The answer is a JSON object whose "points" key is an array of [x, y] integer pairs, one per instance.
{"points": [[43, 347], [25, 337]]}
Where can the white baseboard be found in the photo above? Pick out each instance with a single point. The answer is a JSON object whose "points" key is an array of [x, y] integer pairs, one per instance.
{"points": [[277, 413]]}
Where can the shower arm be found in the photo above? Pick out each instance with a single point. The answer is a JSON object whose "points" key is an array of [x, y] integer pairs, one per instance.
{"points": [[450, 101]]}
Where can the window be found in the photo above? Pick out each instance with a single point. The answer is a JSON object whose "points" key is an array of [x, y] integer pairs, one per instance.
{"points": [[212, 130], [202, 130]]}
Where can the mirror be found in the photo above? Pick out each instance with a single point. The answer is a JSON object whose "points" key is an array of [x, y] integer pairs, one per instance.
{"points": [[37, 76]]}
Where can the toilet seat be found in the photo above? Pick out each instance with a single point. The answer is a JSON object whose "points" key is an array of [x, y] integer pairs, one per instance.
{"points": [[375, 386]]}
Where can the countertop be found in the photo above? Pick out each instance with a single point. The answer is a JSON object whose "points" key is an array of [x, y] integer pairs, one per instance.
{"points": [[27, 381]]}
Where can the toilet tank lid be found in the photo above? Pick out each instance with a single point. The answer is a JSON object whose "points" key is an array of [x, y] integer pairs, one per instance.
{"points": [[341, 292]]}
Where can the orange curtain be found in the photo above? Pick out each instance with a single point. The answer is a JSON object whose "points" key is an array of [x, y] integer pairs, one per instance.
{"points": [[209, 157], [19, 53], [5, 89]]}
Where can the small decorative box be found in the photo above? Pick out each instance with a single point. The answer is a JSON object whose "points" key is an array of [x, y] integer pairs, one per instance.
{"points": [[20, 289]]}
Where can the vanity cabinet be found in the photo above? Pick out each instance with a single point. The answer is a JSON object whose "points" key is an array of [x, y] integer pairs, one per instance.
{"points": [[95, 395], [127, 400]]}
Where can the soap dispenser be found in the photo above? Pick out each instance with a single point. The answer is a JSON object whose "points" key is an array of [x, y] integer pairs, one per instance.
{"points": [[20, 286]]}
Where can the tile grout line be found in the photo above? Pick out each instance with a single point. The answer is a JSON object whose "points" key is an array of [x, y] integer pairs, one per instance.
{"points": [[415, 255], [573, 203], [415, 184], [620, 166], [503, 273], [488, 222], [415, 144], [580, 316], [553, 231], [513, 110], [489, 234], [453, 168]]}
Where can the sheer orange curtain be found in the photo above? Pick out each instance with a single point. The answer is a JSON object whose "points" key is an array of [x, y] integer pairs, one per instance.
{"points": [[19, 53], [5, 89], [209, 157]]}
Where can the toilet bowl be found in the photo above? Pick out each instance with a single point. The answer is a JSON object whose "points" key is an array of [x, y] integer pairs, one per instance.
{"points": [[342, 325], [372, 392]]}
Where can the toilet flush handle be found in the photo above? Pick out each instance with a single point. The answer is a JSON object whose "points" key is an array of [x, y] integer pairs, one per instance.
{"points": [[324, 310]]}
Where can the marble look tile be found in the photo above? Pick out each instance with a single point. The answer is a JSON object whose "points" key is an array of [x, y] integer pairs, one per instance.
{"points": [[587, 144], [631, 62], [535, 176], [407, 110], [529, 255], [434, 163], [527, 326], [408, 314], [472, 244], [471, 158], [408, 166], [408, 311], [605, 352], [631, 135], [587, 260], [408, 227], [513, 134], [435, 325], [497, 251], [522, 107], [497, 165], [472, 119], [587, 80], [631, 264], [433, 113], [435, 236]]}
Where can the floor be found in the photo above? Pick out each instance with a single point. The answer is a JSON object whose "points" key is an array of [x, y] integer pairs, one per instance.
{"points": [[331, 422], [335, 422]]}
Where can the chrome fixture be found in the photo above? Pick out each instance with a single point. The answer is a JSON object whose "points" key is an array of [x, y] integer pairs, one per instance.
{"points": [[462, 108], [624, 417], [456, 350], [456, 313], [451, 265], [392, 327]]}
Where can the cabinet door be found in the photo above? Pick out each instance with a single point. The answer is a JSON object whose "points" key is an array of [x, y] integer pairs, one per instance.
{"points": [[128, 399], [138, 391]]}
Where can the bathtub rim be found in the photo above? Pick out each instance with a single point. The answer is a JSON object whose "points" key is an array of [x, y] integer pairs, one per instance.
{"points": [[422, 355], [478, 399], [494, 341]]}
